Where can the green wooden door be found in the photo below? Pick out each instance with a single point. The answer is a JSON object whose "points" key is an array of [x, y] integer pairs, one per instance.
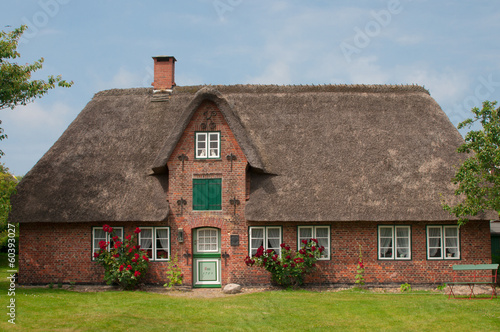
{"points": [[206, 257]]}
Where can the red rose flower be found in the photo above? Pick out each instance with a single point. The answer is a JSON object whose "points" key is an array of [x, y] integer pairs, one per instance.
{"points": [[269, 251], [121, 267], [137, 247], [282, 245], [105, 228], [313, 248], [321, 249], [116, 255], [146, 258], [302, 251], [265, 260], [292, 265], [137, 273], [288, 257], [260, 252], [96, 254], [304, 241], [314, 240], [134, 260], [136, 256], [103, 245], [128, 237], [311, 255], [118, 244], [285, 265], [137, 230], [129, 267], [287, 248], [110, 229], [130, 250], [115, 238]]}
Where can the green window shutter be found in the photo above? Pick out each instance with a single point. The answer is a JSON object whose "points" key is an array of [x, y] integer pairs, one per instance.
{"points": [[207, 194], [214, 194], [200, 194]]}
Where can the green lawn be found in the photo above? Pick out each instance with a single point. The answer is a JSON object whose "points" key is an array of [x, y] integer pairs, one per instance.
{"points": [[61, 310]]}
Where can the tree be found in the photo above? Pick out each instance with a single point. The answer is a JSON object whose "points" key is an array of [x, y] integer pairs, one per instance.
{"points": [[8, 184], [478, 178], [16, 85]]}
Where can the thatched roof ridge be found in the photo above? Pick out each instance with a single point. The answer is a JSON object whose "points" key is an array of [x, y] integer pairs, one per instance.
{"points": [[323, 153]]}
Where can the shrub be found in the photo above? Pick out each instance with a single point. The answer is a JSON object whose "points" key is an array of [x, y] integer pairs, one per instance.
{"points": [[288, 269], [124, 263], [174, 273], [406, 287]]}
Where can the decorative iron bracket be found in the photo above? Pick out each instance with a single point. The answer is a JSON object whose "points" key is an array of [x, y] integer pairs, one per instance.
{"points": [[225, 255], [182, 202], [209, 123], [231, 157], [183, 158], [235, 202], [187, 255]]}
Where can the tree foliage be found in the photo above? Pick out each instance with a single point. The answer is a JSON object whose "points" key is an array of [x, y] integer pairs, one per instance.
{"points": [[16, 85], [8, 184], [478, 178]]}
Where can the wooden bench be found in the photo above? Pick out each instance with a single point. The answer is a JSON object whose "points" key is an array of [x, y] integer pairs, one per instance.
{"points": [[472, 275]]}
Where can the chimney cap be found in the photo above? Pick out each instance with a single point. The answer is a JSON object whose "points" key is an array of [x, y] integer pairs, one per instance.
{"points": [[164, 57]]}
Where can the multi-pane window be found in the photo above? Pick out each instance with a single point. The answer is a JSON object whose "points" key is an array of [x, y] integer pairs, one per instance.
{"points": [[443, 242], [267, 237], [394, 242], [98, 235], [208, 145], [320, 233], [156, 241], [207, 194], [208, 240]]}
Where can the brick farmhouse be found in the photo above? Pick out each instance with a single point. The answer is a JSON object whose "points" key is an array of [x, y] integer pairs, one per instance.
{"points": [[210, 173]]}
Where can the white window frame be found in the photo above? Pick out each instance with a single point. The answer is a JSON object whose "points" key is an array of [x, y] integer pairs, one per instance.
{"points": [[107, 238], [198, 240], [154, 239], [204, 153], [443, 247], [265, 232], [325, 255], [394, 242]]}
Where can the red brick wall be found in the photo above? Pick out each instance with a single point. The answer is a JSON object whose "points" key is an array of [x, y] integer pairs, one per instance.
{"points": [[62, 252]]}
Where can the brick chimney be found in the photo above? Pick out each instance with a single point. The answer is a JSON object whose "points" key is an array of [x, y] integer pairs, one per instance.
{"points": [[164, 71]]}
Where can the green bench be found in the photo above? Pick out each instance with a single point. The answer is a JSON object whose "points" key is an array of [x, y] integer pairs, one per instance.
{"points": [[472, 275]]}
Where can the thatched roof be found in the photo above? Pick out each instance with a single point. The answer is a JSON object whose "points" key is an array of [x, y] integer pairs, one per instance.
{"points": [[316, 153]]}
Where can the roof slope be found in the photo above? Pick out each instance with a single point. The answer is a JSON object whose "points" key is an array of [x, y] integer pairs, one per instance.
{"points": [[320, 153]]}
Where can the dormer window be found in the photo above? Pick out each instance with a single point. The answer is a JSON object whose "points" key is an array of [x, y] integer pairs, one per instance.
{"points": [[208, 145]]}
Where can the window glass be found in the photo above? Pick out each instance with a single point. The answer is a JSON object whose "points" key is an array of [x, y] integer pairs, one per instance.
{"points": [[394, 242], [207, 145], [156, 241], [267, 237]]}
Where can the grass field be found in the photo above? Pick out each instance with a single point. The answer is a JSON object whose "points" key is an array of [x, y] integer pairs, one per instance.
{"points": [[43, 309]]}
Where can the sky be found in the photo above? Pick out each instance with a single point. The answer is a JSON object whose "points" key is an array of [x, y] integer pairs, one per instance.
{"points": [[449, 47]]}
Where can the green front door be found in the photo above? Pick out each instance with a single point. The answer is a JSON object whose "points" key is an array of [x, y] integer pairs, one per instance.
{"points": [[206, 257]]}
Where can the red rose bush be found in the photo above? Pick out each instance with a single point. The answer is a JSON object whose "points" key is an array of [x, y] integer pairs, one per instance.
{"points": [[288, 269], [125, 264]]}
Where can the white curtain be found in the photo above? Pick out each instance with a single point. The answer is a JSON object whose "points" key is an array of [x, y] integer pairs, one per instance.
{"points": [[451, 241], [99, 235], [402, 242], [162, 241], [257, 239], [434, 234], [385, 242], [146, 239], [305, 234], [273, 239]]}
